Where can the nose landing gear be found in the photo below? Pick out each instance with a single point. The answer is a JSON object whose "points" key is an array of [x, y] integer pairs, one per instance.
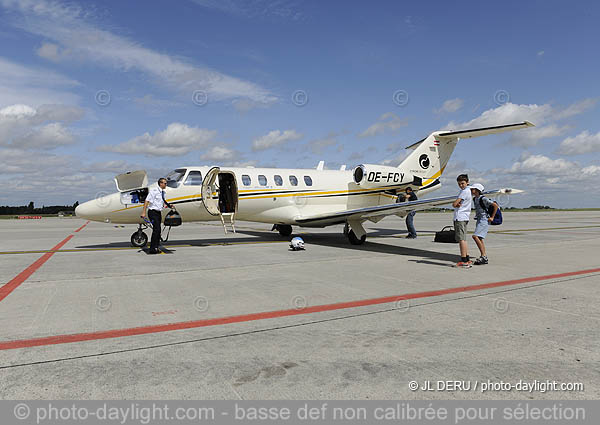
{"points": [[139, 238]]}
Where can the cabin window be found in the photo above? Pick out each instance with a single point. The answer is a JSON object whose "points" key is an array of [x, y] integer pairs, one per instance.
{"points": [[293, 181], [194, 178], [246, 180], [308, 180], [278, 180], [262, 180]]}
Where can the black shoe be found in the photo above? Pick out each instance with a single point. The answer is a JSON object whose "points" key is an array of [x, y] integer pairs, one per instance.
{"points": [[481, 261], [154, 251], [411, 237]]}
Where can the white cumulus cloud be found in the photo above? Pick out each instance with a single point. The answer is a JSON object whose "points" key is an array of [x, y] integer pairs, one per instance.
{"points": [[584, 142], [275, 138], [387, 122], [177, 139], [221, 154], [48, 136], [543, 116], [450, 105], [25, 127]]}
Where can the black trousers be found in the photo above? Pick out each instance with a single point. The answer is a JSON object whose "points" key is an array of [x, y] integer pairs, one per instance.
{"points": [[155, 218]]}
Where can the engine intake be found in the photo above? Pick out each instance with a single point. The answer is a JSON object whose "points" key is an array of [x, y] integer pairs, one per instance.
{"points": [[370, 175]]}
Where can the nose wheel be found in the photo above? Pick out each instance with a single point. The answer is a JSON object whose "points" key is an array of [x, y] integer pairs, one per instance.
{"points": [[139, 238]]}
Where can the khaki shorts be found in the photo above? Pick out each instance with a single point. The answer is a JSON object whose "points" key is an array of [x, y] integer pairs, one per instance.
{"points": [[460, 230]]}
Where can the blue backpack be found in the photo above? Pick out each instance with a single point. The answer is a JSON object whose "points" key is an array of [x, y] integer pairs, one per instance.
{"points": [[497, 218]]}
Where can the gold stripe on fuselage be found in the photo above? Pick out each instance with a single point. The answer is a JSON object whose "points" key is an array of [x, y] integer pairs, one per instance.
{"points": [[284, 195]]}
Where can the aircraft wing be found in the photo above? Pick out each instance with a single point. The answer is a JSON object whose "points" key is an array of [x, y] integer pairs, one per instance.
{"points": [[378, 212]]}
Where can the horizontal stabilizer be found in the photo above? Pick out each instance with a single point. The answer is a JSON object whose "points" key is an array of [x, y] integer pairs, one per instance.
{"points": [[484, 131]]}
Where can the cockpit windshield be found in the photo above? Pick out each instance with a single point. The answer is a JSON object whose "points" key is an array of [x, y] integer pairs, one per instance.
{"points": [[174, 177]]}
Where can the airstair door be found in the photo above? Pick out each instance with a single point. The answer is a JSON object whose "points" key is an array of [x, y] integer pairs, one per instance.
{"points": [[210, 195]]}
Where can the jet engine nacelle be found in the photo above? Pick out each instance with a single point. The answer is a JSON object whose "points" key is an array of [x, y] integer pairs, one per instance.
{"points": [[370, 175]]}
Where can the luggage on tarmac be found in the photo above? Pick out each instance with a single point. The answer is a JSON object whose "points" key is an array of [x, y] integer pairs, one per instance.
{"points": [[446, 235]]}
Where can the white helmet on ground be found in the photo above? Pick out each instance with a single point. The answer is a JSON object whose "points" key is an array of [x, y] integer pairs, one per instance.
{"points": [[297, 244]]}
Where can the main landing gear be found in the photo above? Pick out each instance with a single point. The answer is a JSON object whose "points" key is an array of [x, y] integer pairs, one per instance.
{"points": [[354, 240], [139, 238], [283, 229]]}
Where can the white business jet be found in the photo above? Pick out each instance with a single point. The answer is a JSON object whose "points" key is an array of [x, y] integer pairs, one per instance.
{"points": [[293, 197]]}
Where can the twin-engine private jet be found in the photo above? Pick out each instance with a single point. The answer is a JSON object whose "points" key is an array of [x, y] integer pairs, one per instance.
{"points": [[293, 197]]}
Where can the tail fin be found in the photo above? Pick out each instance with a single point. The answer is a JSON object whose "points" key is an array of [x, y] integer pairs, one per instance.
{"points": [[430, 156]]}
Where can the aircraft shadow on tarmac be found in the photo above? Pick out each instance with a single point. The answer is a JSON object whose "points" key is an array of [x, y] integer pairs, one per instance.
{"points": [[334, 240], [337, 240]]}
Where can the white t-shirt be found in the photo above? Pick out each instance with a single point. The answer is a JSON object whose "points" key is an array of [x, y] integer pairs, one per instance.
{"points": [[463, 213]]}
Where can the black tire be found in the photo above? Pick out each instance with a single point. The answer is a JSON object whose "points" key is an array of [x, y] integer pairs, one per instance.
{"points": [[354, 240], [139, 239], [284, 229]]}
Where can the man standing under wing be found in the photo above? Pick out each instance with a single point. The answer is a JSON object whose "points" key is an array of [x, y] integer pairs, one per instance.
{"points": [[410, 196], [155, 202]]}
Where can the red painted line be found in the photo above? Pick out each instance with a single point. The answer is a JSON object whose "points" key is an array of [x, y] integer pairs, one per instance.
{"points": [[6, 290], [118, 333], [86, 223]]}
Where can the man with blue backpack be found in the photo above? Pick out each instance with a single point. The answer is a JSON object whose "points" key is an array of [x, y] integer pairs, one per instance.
{"points": [[486, 213]]}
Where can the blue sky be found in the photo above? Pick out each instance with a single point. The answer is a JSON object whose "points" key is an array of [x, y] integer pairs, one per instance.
{"points": [[89, 90]]}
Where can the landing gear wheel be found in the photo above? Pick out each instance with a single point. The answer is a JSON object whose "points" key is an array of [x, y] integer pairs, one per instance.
{"points": [[284, 229], [354, 240], [139, 239]]}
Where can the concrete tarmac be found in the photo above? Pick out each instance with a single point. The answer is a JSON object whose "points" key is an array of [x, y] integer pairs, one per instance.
{"points": [[85, 316]]}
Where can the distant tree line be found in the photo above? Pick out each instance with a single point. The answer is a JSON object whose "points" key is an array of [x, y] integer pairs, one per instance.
{"points": [[31, 209], [540, 207]]}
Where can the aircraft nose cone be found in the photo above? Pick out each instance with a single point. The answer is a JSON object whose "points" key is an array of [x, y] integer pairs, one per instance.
{"points": [[84, 210]]}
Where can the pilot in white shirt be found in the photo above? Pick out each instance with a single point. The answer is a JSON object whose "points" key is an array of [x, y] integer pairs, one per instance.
{"points": [[155, 199], [154, 204]]}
